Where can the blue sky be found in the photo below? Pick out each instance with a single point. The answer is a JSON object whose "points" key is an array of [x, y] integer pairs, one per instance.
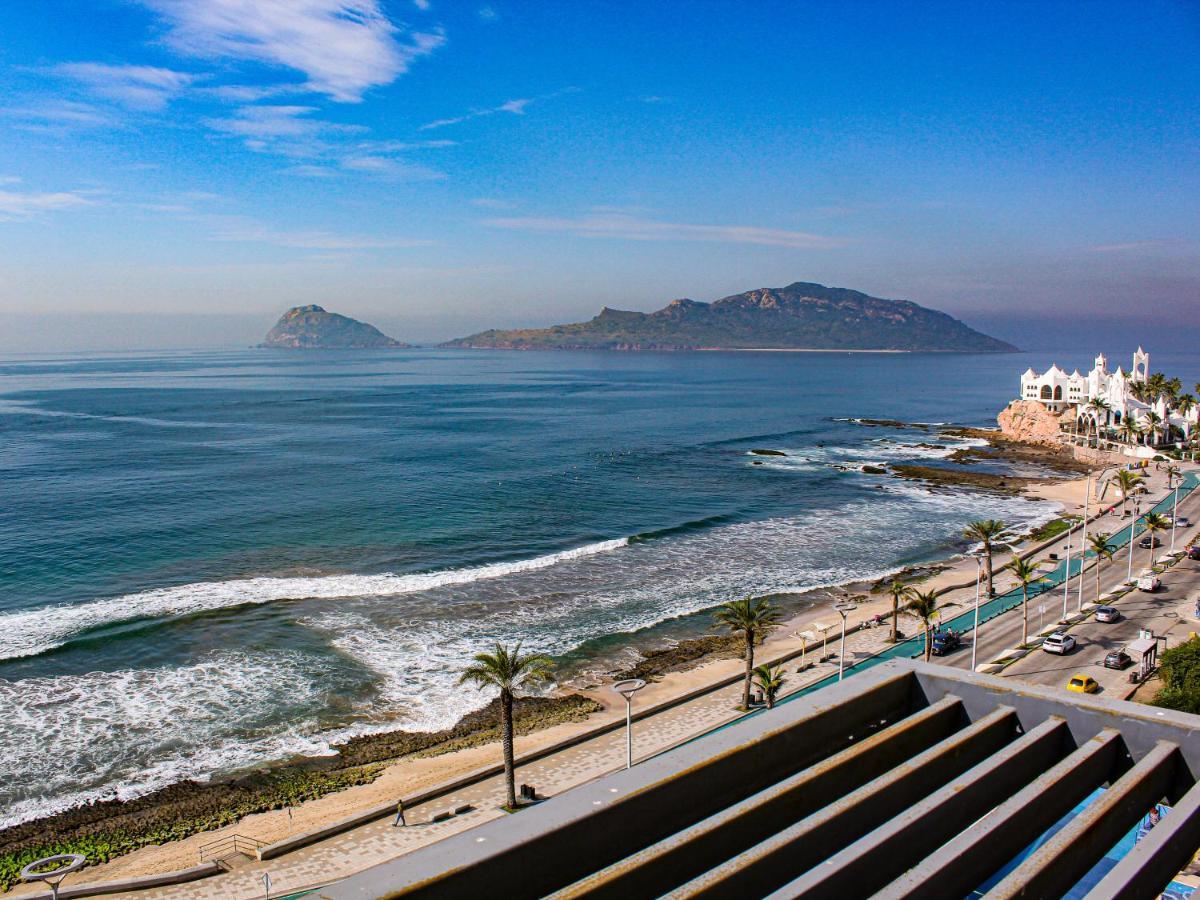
{"points": [[443, 167]]}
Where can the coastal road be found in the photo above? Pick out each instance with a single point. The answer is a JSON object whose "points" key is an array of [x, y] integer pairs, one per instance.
{"points": [[1156, 611]]}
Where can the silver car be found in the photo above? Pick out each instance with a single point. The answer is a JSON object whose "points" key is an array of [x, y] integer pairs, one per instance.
{"points": [[1107, 614]]}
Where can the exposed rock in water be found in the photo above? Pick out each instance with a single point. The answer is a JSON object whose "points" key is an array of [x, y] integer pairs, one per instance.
{"points": [[758, 452], [986, 481], [874, 470], [312, 328]]}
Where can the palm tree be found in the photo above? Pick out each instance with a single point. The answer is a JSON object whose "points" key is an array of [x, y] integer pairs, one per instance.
{"points": [[1154, 522], [769, 681], [1172, 473], [753, 619], [1127, 430], [985, 531], [1098, 544], [1027, 574], [923, 604], [1099, 406], [1126, 481], [899, 590], [1153, 420], [508, 669], [1185, 404]]}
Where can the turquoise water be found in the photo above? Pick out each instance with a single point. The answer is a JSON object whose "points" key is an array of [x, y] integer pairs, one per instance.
{"points": [[212, 559]]}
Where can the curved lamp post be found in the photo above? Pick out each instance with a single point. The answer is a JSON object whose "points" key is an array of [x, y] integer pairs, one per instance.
{"points": [[975, 629], [70, 862], [627, 689], [844, 609]]}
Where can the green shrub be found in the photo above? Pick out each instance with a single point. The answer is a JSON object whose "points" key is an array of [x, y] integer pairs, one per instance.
{"points": [[1179, 669]]}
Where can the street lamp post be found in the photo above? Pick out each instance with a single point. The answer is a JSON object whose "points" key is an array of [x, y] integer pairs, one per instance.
{"points": [[627, 689], [1174, 516], [975, 630], [1137, 514], [1067, 574], [66, 864], [1083, 538], [844, 609]]}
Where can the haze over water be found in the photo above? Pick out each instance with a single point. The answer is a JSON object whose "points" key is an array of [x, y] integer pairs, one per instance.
{"points": [[215, 559]]}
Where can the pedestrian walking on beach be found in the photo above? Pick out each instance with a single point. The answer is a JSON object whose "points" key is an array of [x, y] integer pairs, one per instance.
{"points": [[399, 815]]}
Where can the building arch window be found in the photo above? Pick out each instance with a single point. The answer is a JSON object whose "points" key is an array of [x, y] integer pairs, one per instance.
{"points": [[1058, 392], [1046, 392]]}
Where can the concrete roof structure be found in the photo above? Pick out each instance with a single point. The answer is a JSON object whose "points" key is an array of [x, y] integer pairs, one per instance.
{"points": [[907, 780]]}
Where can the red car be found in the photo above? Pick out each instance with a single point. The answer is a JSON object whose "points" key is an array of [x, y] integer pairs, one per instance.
{"points": [[1193, 552]]}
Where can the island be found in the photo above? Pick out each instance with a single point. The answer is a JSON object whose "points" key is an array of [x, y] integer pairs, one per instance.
{"points": [[313, 328], [801, 316]]}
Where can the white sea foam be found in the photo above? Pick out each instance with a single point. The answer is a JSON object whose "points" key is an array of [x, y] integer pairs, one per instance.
{"points": [[30, 632], [128, 732]]}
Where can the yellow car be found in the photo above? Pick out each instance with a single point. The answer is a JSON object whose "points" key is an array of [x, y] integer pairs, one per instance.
{"points": [[1083, 684]]}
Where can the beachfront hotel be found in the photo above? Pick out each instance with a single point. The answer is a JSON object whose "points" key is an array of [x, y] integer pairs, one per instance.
{"points": [[1118, 405]]}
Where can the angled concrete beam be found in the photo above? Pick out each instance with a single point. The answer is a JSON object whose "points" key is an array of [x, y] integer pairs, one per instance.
{"points": [[543, 849], [1056, 866], [868, 864], [782, 857], [991, 842], [682, 856], [1150, 866]]}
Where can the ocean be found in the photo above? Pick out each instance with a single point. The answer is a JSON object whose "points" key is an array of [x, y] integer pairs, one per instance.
{"points": [[214, 559]]}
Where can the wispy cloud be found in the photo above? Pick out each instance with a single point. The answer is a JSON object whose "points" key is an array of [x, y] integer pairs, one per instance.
{"points": [[285, 130], [56, 116], [639, 229], [492, 203], [146, 88], [343, 47], [24, 205], [1129, 247], [488, 13], [249, 232], [514, 107], [394, 169]]}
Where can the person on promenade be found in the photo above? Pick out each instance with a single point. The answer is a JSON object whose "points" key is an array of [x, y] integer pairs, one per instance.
{"points": [[399, 815]]}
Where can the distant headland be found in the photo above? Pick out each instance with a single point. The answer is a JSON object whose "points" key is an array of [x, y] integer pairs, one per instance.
{"points": [[313, 328], [801, 316]]}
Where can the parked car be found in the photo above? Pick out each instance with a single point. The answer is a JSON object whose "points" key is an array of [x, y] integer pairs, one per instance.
{"points": [[945, 642], [1183, 522], [1150, 541], [1148, 581], [1117, 659], [1193, 552], [1059, 643], [1083, 684]]}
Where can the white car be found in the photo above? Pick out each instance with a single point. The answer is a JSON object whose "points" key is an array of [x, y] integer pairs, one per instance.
{"points": [[1059, 643], [1148, 581]]}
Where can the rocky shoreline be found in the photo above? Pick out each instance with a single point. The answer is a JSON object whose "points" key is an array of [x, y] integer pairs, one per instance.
{"points": [[108, 828]]}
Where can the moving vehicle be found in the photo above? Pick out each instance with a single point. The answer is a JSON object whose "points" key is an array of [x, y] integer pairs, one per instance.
{"points": [[1083, 684], [1107, 614], [1182, 522], [1148, 581], [1059, 643], [1150, 541], [1117, 659], [1193, 552], [945, 642]]}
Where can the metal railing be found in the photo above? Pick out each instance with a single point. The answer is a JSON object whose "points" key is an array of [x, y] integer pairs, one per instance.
{"points": [[230, 845]]}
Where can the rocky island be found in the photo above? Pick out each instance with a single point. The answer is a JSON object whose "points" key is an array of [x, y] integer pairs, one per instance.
{"points": [[313, 328], [801, 316]]}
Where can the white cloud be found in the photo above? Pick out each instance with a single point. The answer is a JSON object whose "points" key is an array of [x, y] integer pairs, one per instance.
{"points": [[57, 116], [488, 14], [492, 203], [422, 5], [343, 47], [147, 88], [249, 232], [637, 229], [285, 130], [24, 205], [392, 168], [515, 107]]}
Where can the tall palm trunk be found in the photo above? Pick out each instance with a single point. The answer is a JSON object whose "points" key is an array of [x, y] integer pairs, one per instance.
{"points": [[749, 668], [506, 727], [1024, 615], [895, 615], [1097, 580], [928, 641], [987, 568]]}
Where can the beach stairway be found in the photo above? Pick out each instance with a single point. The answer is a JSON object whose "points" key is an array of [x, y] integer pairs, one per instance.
{"points": [[231, 850]]}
